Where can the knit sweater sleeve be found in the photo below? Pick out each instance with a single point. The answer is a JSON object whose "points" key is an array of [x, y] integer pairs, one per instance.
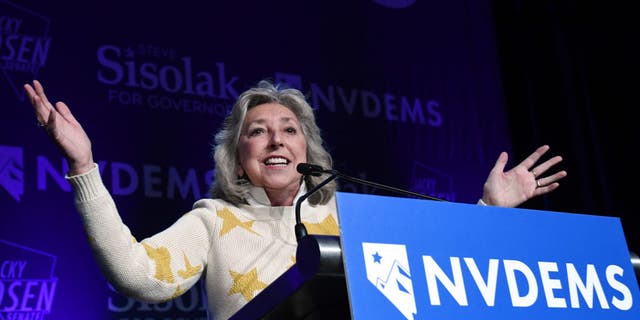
{"points": [[155, 269]]}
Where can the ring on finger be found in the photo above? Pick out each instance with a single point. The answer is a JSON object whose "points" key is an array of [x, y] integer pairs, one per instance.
{"points": [[538, 183], [533, 172]]}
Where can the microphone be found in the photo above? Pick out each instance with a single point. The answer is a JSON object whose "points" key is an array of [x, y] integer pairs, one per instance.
{"points": [[309, 169], [315, 170]]}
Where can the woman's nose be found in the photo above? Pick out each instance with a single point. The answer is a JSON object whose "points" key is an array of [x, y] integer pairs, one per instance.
{"points": [[276, 140]]}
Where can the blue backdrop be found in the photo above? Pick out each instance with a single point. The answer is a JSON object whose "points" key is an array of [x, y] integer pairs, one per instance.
{"points": [[407, 93]]}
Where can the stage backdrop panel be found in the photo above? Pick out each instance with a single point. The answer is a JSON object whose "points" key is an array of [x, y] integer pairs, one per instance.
{"points": [[407, 93]]}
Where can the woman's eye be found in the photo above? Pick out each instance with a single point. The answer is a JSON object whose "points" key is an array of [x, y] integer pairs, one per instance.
{"points": [[291, 130], [256, 131]]}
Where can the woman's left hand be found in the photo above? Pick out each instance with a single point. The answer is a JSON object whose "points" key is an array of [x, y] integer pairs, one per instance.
{"points": [[522, 182]]}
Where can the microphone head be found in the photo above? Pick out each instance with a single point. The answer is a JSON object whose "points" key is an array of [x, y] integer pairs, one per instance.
{"points": [[309, 169]]}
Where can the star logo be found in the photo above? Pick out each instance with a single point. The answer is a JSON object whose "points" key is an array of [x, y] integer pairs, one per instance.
{"points": [[391, 276], [230, 221], [376, 257], [162, 258], [328, 226], [246, 283]]}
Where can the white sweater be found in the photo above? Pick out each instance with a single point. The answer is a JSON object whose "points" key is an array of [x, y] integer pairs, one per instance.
{"points": [[240, 249]]}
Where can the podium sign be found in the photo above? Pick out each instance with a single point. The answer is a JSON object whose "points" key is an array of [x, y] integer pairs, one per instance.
{"points": [[419, 259]]}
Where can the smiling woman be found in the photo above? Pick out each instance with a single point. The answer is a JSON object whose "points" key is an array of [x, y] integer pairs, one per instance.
{"points": [[262, 113], [271, 145], [241, 239]]}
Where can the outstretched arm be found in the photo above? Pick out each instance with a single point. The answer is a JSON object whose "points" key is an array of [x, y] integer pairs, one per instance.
{"points": [[63, 128], [523, 182], [156, 269]]}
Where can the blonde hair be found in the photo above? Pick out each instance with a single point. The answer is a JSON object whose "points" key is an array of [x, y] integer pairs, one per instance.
{"points": [[227, 185]]}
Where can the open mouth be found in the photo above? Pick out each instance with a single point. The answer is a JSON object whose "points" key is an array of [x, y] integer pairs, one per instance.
{"points": [[276, 162]]}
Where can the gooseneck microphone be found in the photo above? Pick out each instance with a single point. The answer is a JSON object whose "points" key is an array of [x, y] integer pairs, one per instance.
{"points": [[300, 229], [309, 169], [315, 170]]}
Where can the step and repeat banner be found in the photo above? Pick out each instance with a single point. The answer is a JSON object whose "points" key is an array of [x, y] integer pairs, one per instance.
{"points": [[407, 93]]}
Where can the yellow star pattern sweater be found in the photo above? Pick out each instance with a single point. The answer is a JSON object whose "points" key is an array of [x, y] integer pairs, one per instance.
{"points": [[239, 250]]}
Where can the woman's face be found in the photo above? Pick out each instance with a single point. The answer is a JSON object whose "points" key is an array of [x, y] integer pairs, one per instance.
{"points": [[271, 146]]}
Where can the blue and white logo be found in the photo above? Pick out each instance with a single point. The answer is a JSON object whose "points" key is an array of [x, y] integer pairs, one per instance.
{"points": [[387, 268], [479, 262]]}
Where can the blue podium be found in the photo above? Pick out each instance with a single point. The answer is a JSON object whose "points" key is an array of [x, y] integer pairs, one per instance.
{"points": [[416, 259], [401, 258]]}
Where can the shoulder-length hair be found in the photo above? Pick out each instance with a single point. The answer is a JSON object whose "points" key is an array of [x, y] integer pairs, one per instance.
{"points": [[227, 185]]}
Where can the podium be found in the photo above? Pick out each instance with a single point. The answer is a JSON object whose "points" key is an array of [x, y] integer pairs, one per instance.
{"points": [[412, 259]]}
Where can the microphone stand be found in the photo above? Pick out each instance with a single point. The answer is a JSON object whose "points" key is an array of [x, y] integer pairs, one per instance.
{"points": [[316, 170], [381, 186], [300, 229]]}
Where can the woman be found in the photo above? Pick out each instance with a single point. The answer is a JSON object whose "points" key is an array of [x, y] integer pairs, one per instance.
{"points": [[242, 238]]}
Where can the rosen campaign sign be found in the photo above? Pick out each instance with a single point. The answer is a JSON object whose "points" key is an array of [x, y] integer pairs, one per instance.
{"points": [[420, 259]]}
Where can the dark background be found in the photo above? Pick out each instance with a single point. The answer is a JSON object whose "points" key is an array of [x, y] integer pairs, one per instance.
{"points": [[570, 76]]}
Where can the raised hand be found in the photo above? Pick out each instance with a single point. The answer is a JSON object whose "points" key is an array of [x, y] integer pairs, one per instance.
{"points": [[63, 128], [522, 182]]}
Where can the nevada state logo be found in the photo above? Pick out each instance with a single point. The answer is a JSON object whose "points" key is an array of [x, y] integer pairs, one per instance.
{"points": [[11, 174], [387, 268]]}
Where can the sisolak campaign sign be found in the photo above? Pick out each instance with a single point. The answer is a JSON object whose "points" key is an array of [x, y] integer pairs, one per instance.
{"points": [[420, 259]]}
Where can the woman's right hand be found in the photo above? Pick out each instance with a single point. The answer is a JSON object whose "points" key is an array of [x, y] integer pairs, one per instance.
{"points": [[63, 128]]}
